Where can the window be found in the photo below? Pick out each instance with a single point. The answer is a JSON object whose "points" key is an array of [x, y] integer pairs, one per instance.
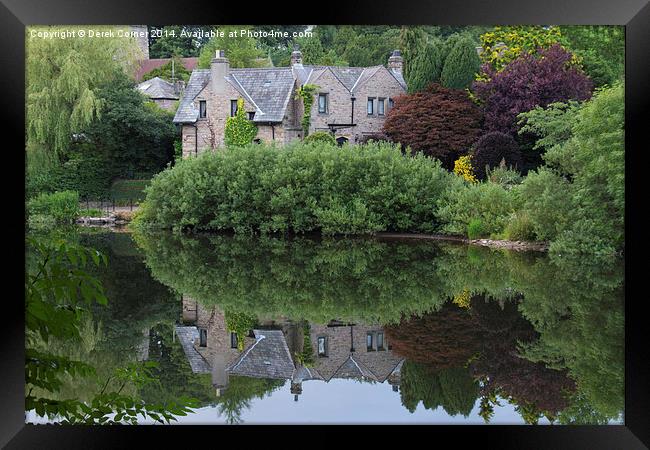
{"points": [[203, 337], [322, 346], [251, 115], [391, 103], [322, 103], [369, 342], [371, 106], [380, 106], [380, 341], [233, 108], [202, 109], [233, 340]]}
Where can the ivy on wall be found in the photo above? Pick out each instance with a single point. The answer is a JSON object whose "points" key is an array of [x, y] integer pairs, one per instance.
{"points": [[306, 93], [239, 130]]}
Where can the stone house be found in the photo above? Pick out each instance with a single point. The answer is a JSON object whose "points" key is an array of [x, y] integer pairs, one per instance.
{"points": [[340, 350], [349, 102]]}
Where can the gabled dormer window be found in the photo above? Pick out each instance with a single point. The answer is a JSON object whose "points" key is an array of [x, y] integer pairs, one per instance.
{"points": [[251, 115], [203, 110]]}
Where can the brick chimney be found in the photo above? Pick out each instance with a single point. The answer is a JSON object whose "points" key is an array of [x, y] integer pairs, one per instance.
{"points": [[219, 70], [395, 61], [296, 56]]}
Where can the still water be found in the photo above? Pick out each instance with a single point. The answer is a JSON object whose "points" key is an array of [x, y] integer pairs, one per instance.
{"points": [[315, 330]]}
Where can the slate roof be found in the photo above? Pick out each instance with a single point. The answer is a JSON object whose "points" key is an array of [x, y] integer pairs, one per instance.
{"points": [[269, 89], [187, 336], [157, 88], [187, 111], [268, 357], [353, 369]]}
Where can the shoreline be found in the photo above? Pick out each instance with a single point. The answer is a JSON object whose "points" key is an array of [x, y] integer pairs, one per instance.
{"points": [[492, 243]]}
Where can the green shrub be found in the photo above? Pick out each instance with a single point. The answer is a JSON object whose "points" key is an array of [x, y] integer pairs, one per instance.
{"points": [[520, 228], [299, 188], [507, 177], [40, 222], [321, 136], [475, 229], [487, 202], [62, 206], [545, 198]]}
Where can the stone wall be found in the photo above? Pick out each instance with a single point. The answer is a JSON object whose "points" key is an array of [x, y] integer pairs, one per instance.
{"points": [[339, 338], [380, 84]]}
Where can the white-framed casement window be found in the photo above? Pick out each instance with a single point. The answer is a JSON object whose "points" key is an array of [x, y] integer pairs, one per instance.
{"points": [[203, 109], [322, 103], [380, 106], [371, 106], [322, 345]]}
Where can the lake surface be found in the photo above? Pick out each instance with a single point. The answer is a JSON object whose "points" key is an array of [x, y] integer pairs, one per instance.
{"points": [[316, 330]]}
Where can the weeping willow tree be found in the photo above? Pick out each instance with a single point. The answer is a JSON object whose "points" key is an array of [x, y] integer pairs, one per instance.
{"points": [[63, 75]]}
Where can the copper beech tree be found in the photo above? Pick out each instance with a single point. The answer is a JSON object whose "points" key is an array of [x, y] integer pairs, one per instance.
{"points": [[439, 122]]}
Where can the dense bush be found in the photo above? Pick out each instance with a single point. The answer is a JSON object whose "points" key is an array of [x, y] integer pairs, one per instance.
{"points": [[527, 82], [493, 148], [545, 198], [62, 206], [300, 188], [487, 204], [439, 122], [321, 136], [504, 176]]}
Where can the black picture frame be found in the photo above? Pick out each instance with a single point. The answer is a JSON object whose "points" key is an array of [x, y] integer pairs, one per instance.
{"points": [[634, 14]]}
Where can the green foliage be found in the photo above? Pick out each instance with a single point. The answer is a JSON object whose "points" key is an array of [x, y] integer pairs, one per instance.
{"points": [[299, 188], [591, 166], [545, 198], [504, 176], [127, 190], [520, 228], [301, 278], [306, 93], [601, 50], [487, 203], [134, 134], [461, 65], [62, 206], [63, 78], [320, 136], [453, 389], [550, 126], [239, 130], [475, 229], [504, 44], [426, 67], [306, 356], [241, 51], [172, 42], [165, 71], [240, 323]]}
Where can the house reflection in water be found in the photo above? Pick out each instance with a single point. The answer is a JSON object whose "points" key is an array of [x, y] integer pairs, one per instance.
{"points": [[340, 350]]}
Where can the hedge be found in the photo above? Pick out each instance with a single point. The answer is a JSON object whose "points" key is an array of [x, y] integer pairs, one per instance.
{"points": [[301, 187]]}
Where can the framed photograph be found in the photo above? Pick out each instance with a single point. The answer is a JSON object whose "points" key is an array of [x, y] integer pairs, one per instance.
{"points": [[385, 217]]}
